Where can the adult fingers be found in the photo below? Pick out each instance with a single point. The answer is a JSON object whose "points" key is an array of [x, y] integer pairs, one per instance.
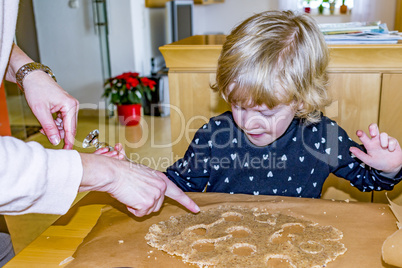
{"points": [[177, 194], [121, 153], [102, 150], [137, 212], [118, 147], [49, 127], [69, 115], [147, 208], [148, 198]]}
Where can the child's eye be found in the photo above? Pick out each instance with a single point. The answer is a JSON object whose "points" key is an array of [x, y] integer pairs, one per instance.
{"points": [[237, 107], [266, 115]]}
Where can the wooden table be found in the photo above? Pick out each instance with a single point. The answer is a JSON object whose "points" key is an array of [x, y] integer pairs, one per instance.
{"points": [[62, 238], [365, 227]]}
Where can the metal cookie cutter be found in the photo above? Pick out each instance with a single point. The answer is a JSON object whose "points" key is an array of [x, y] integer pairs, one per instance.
{"points": [[92, 140]]}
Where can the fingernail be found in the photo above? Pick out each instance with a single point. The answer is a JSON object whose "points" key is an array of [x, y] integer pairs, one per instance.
{"points": [[197, 208], [55, 140]]}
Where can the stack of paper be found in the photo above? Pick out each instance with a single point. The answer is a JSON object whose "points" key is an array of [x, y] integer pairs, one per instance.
{"points": [[358, 33]]}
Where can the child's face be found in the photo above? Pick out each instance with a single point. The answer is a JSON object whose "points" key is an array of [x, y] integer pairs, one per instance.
{"points": [[261, 124]]}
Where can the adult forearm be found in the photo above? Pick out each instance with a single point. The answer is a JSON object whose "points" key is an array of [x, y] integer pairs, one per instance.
{"points": [[98, 172], [18, 58]]}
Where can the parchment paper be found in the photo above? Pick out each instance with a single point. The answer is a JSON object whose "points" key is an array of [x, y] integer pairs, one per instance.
{"points": [[117, 240], [392, 247]]}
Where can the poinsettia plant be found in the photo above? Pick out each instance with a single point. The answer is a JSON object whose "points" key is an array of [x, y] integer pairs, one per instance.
{"points": [[128, 88]]}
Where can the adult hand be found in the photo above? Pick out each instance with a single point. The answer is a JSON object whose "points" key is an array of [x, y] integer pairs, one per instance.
{"points": [[117, 153], [140, 188], [383, 152], [45, 97]]}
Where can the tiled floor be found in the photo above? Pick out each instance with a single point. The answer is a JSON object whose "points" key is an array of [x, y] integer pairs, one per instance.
{"points": [[138, 142]]}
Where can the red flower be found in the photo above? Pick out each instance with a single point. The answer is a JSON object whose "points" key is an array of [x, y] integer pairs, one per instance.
{"points": [[127, 75], [120, 88], [131, 82], [120, 77], [148, 82]]}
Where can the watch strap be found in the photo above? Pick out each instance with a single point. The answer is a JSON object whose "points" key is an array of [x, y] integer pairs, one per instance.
{"points": [[30, 67]]}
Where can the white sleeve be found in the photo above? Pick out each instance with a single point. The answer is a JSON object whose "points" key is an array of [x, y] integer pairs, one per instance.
{"points": [[37, 180], [8, 19]]}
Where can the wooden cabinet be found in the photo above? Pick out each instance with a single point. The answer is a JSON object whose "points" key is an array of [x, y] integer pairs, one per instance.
{"points": [[390, 121], [364, 84], [356, 101], [391, 100], [155, 3]]}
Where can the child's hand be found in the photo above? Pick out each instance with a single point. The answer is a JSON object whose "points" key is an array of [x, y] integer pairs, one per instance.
{"points": [[383, 152], [117, 153]]}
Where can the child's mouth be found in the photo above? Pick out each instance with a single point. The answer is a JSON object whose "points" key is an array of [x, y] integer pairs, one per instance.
{"points": [[255, 136]]}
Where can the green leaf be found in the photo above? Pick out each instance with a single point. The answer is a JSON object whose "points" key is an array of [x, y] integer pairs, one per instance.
{"points": [[115, 99], [133, 98], [148, 95]]}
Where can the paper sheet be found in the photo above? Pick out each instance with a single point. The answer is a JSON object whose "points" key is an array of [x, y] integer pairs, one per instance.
{"points": [[117, 240], [392, 247]]}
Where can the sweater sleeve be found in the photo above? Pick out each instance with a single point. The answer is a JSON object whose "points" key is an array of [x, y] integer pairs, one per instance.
{"points": [[37, 180], [360, 175], [191, 173]]}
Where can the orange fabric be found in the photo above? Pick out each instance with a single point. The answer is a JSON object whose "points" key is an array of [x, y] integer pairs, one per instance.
{"points": [[5, 129]]}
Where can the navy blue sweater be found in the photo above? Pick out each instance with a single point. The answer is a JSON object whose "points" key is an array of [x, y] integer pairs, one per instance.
{"points": [[220, 158]]}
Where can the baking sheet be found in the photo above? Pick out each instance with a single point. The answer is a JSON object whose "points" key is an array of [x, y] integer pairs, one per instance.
{"points": [[392, 247], [117, 240]]}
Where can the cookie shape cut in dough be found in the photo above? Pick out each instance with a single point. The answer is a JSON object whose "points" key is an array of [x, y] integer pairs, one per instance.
{"points": [[229, 236]]}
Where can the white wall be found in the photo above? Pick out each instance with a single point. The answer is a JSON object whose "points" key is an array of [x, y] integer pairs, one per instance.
{"points": [[68, 44], [374, 10], [121, 42], [208, 19], [221, 18], [135, 35]]}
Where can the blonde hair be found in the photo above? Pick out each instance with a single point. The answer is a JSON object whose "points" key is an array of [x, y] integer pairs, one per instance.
{"points": [[272, 58]]}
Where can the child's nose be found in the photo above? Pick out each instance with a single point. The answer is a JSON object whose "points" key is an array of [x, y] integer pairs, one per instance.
{"points": [[253, 121]]}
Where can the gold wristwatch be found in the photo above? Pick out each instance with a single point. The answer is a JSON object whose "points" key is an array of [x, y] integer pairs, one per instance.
{"points": [[30, 67]]}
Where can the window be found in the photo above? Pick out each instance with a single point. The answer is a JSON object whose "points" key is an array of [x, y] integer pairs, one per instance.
{"points": [[325, 7]]}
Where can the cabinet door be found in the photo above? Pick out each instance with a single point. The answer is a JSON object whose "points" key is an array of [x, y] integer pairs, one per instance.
{"points": [[193, 103], [390, 122], [155, 3], [356, 98]]}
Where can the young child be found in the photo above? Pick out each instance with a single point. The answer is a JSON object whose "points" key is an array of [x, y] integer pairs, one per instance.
{"points": [[275, 141]]}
